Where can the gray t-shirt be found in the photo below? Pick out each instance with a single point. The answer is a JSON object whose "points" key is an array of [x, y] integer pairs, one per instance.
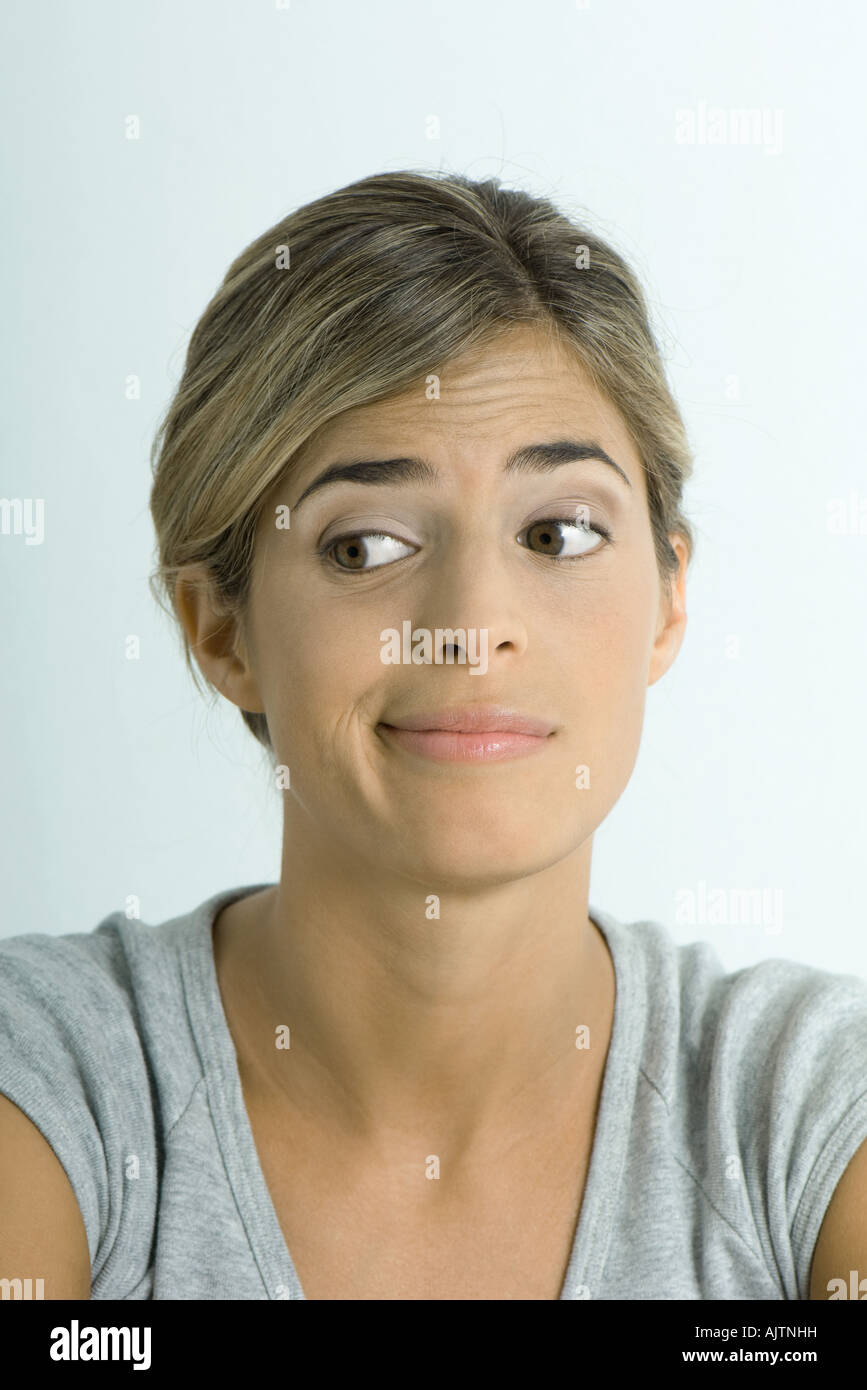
{"points": [[731, 1105]]}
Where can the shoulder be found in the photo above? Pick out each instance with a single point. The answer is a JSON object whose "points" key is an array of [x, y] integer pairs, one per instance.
{"points": [[92, 1051], [65, 1002], [107, 1007], [762, 1077], [56, 973], [87, 987], [772, 1028]]}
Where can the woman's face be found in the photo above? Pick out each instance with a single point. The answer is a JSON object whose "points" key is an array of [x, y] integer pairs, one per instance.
{"points": [[573, 642]]}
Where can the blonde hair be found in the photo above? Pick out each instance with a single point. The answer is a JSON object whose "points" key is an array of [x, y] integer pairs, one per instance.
{"points": [[353, 298]]}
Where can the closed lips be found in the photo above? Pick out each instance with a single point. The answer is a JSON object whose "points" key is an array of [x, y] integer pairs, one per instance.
{"points": [[474, 720]]}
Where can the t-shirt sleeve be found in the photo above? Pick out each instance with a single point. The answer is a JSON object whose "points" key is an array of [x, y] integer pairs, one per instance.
{"points": [[67, 1044], [800, 1037]]}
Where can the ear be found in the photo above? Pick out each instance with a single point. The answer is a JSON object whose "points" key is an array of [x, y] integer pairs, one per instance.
{"points": [[672, 614], [216, 639]]}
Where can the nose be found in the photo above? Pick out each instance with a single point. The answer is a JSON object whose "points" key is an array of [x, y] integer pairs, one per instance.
{"points": [[471, 589]]}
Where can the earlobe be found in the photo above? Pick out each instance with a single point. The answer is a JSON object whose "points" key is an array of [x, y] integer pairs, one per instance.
{"points": [[672, 624]]}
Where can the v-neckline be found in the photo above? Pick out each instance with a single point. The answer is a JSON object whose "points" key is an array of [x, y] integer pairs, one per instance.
{"points": [[234, 1130]]}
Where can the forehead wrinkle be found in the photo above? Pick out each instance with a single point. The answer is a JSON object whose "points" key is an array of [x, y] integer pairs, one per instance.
{"points": [[481, 403], [486, 403]]}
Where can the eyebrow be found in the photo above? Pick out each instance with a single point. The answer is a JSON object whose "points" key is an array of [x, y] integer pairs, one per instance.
{"points": [[530, 458]]}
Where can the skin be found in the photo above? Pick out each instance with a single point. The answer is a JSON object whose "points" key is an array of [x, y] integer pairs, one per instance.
{"points": [[412, 1035], [841, 1245]]}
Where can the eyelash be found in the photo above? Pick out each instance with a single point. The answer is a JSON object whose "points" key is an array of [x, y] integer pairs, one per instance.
{"points": [[324, 551]]}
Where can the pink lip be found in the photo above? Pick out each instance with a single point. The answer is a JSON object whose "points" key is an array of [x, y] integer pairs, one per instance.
{"points": [[471, 734], [475, 719]]}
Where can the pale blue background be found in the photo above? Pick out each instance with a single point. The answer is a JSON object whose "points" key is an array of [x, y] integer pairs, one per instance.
{"points": [[117, 779]]}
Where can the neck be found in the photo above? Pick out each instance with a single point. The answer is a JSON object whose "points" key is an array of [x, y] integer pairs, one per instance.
{"points": [[400, 1019]]}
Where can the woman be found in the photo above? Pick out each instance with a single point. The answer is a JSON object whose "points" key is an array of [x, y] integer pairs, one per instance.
{"points": [[417, 501]]}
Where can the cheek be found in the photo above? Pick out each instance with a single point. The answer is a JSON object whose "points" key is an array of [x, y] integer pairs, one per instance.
{"points": [[606, 673], [606, 627], [320, 664]]}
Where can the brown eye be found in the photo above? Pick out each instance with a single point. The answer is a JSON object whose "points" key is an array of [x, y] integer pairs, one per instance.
{"points": [[352, 552], [546, 538]]}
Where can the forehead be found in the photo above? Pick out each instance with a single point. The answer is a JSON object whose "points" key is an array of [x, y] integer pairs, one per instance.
{"points": [[523, 387]]}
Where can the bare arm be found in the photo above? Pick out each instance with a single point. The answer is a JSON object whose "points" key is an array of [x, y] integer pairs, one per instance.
{"points": [[42, 1233], [842, 1244]]}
